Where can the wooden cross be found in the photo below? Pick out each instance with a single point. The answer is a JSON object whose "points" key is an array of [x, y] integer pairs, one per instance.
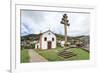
{"points": [[65, 22]]}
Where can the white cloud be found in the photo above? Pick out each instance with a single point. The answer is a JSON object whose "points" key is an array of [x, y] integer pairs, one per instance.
{"points": [[36, 21]]}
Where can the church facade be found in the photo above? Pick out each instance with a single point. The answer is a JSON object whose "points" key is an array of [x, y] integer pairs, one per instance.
{"points": [[47, 40]]}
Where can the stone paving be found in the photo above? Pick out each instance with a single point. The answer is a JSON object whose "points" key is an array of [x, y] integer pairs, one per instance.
{"points": [[35, 57]]}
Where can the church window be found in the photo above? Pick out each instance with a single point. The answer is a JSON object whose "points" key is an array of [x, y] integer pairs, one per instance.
{"points": [[45, 39], [52, 39], [49, 33]]}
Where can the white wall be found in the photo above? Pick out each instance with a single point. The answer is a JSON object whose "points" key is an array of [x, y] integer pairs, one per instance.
{"points": [[49, 38], [37, 45], [5, 36]]}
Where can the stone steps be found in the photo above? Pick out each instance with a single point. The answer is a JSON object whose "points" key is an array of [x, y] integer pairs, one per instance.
{"points": [[66, 54]]}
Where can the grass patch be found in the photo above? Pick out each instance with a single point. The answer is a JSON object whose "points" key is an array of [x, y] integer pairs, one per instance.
{"points": [[52, 54], [24, 56], [81, 54]]}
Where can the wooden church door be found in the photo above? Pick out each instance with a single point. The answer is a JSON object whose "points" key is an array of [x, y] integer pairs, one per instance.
{"points": [[49, 45]]}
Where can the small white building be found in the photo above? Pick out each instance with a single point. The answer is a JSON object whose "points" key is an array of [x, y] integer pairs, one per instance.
{"points": [[47, 40], [63, 42], [37, 45]]}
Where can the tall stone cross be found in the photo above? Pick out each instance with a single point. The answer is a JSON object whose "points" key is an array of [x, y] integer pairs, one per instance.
{"points": [[65, 22]]}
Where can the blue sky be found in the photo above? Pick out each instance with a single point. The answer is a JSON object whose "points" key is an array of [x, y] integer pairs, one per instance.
{"points": [[41, 21]]}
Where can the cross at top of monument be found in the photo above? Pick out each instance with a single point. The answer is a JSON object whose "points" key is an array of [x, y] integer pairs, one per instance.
{"points": [[65, 20]]}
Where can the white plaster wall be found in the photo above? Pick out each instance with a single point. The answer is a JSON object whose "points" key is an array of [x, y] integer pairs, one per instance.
{"points": [[62, 43], [49, 38], [37, 44]]}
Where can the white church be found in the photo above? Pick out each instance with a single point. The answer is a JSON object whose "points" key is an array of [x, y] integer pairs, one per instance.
{"points": [[47, 40]]}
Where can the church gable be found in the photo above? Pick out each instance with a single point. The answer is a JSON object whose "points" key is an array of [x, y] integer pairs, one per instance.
{"points": [[49, 32], [48, 36]]}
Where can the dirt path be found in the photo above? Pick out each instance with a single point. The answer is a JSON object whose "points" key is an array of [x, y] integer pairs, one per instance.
{"points": [[35, 57]]}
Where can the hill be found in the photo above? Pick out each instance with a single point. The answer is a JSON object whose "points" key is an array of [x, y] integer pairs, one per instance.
{"points": [[59, 37]]}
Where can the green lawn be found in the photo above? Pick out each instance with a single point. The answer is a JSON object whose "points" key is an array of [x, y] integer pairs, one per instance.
{"points": [[81, 54], [52, 54], [24, 56]]}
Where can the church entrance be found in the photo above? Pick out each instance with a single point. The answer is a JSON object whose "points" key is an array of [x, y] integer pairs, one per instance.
{"points": [[49, 45]]}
